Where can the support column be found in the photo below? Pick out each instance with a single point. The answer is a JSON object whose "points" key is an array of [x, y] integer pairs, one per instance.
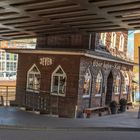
{"points": [[41, 42], [92, 43]]}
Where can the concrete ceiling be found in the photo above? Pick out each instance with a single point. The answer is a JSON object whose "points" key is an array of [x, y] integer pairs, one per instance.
{"points": [[30, 18]]}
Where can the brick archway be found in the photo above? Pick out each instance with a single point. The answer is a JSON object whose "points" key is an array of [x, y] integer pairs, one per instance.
{"points": [[109, 89]]}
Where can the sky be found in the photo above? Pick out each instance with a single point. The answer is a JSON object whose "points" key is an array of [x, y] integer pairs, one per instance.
{"points": [[131, 43]]}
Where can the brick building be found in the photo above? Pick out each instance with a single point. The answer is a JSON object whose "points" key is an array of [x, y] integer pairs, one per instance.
{"points": [[67, 73]]}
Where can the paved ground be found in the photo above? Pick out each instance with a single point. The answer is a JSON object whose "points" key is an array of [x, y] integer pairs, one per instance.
{"points": [[13, 117], [17, 124], [67, 135]]}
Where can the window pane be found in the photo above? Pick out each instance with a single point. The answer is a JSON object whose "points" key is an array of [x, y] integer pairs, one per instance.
{"points": [[86, 86], [99, 83], [62, 85], [36, 81], [30, 81], [87, 83], [55, 84], [117, 85], [59, 71]]}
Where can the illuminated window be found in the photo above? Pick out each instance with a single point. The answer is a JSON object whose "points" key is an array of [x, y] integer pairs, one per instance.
{"points": [[102, 40], [121, 45], [58, 82], [117, 85], [113, 40], [125, 82], [87, 84], [33, 79], [99, 82]]}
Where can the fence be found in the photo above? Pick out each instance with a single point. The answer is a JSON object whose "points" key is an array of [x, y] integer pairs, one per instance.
{"points": [[7, 94]]}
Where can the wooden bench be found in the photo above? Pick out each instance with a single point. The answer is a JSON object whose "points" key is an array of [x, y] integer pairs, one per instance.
{"points": [[98, 110], [130, 105]]}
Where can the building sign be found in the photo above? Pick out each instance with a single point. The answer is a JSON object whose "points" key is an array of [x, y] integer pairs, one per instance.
{"points": [[45, 61]]}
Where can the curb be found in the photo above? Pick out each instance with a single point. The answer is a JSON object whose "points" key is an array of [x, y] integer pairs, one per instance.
{"points": [[14, 127]]}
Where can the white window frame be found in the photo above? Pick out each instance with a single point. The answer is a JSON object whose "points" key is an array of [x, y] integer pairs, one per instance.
{"points": [[62, 75], [118, 87], [29, 72], [126, 81], [113, 40], [90, 78], [101, 78], [121, 44], [102, 40]]}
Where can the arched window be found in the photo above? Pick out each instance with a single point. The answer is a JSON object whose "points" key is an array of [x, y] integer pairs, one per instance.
{"points": [[117, 84], [58, 82], [103, 39], [113, 40], [125, 82], [121, 45], [33, 79], [87, 84], [99, 82]]}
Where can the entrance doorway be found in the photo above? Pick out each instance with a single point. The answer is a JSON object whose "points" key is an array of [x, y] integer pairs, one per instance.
{"points": [[109, 89]]}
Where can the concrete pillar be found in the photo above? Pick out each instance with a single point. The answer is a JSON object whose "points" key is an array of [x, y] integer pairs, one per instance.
{"points": [[41, 42]]}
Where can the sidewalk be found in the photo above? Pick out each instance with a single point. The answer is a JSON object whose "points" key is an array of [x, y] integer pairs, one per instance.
{"points": [[16, 118]]}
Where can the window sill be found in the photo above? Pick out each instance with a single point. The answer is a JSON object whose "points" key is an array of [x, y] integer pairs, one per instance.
{"points": [[29, 90], [55, 94], [98, 95], [116, 93], [86, 96]]}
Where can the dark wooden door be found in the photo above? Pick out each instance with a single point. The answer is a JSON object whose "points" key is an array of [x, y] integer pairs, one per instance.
{"points": [[109, 89]]}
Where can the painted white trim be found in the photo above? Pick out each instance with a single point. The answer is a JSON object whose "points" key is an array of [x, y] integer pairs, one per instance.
{"points": [[29, 72], [102, 39], [98, 95], [54, 74], [90, 86], [30, 90], [86, 96], [55, 94], [117, 93], [121, 43], [59, 52], [113, 40], [101, 79]]}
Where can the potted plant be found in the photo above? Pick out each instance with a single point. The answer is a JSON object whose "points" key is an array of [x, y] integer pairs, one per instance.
{"points": [[123, 103], [113, 107]]}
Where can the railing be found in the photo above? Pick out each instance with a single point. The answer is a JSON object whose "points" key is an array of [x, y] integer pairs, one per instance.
{"points": [[42, 101], [7, 94]]}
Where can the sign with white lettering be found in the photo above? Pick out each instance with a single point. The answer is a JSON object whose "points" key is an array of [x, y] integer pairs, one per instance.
{"points": [[45, 61]]}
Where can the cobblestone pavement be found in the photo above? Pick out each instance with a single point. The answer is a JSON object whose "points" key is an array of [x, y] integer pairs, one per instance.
{"points": [[14, 117]]}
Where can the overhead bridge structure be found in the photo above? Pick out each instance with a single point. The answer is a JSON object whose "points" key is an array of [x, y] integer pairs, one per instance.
{"points": [[31, 18], [71, 70]]}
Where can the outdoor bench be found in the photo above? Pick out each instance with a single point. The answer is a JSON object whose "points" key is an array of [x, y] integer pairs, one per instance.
{"points": [[98, 110], [130, 105]]}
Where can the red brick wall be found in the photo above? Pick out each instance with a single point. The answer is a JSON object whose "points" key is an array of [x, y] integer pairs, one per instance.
{"points": [[115, 52], [70, 65], [75, 41]]}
